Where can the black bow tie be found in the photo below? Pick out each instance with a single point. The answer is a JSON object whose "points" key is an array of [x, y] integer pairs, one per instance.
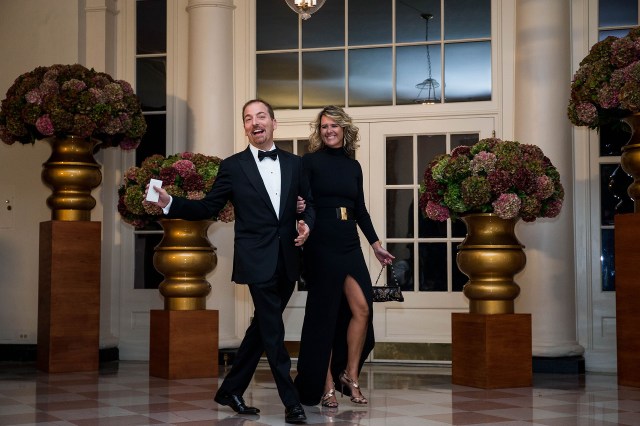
{"points": [[273, 154]]}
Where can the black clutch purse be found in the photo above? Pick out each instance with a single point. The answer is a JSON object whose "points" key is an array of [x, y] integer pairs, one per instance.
{"points": [[387, 293]]}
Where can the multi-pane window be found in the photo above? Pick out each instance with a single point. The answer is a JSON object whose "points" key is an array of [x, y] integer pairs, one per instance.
{"points": [[615, 18], [151, 88], [425, 250], [374, 52]]}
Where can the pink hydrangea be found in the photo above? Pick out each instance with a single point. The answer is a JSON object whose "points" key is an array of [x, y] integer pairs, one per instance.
{"points": [[44, 125], [436, 211], [184, 167], [507, 206]]}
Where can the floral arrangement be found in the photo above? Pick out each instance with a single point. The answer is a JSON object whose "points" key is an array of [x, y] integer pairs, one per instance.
{"points": [[62, 100], [507, 178], [184, 174], [606, 86]]}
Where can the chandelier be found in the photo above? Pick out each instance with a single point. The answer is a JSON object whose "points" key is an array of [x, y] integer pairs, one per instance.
{"points": [[305, 8], [427, 93]]}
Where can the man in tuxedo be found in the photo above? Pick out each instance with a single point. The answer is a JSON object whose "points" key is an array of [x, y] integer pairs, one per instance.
{"points": [[264, 185]]}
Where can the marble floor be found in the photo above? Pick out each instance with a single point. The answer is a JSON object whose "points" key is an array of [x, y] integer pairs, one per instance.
{"points": [[122, 393]]}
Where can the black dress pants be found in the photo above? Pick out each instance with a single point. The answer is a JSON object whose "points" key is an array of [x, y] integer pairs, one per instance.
{"points": [[265, 334]]}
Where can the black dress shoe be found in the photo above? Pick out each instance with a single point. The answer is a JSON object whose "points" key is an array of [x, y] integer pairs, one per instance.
{"points": [[294, 414], [235, 402]]}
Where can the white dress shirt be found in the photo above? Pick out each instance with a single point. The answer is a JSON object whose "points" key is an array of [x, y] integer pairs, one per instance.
{"points": [[270, 172]]}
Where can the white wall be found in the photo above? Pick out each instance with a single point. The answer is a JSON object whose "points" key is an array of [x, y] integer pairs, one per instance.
{"points": [[32, 33]]}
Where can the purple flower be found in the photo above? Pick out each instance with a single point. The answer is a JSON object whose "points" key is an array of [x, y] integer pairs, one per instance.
{"points": [[44, 125], [184, 167], [507, 206], [552, 209], [436, 211], [33, 97], [605, 87], [587, 113], [483, 162], [544, 187], [60, 100]]}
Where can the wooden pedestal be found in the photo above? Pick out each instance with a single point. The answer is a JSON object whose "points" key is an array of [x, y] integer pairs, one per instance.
{"points": [[491, 351], [183, 344], [627, 255], [69, 296]]}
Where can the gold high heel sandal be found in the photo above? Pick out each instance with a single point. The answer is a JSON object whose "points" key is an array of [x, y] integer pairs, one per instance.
{"points": [[345, 380], [329, 398]]}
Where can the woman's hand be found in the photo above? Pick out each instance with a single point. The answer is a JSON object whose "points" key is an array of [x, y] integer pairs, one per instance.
{"points": [[383, 256]]}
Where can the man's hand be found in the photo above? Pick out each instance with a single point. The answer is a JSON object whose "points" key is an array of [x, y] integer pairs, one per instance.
{"points": [[303, 233], [163, 197], [301, 205]]}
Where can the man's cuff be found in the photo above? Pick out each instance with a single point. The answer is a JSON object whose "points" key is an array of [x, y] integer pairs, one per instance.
{"points": [[166, 208]]}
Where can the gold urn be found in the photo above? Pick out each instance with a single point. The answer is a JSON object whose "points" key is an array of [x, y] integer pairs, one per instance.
{"points": [[72, 173], [185, 256], [490, 256], [630, 159]]}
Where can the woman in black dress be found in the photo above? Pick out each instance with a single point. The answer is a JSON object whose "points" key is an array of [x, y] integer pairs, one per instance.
{"points": [[337, 333]]}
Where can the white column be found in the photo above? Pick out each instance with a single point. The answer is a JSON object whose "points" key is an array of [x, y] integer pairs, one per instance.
{"points": [[543, 76], [97, 49], [211, 111]]}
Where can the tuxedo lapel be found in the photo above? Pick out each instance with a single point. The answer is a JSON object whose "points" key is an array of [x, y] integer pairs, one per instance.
{"points": [[286, 170], [248, 165]]}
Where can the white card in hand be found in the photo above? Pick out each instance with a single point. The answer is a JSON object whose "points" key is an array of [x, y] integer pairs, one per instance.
{"points": [[152, 194]]}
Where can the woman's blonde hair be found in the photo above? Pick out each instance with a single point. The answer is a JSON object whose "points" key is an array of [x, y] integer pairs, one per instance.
{"points": [[351, 136]]}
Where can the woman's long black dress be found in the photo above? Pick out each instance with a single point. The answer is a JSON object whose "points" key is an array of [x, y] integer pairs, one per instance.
{"points": [[330, 254]]}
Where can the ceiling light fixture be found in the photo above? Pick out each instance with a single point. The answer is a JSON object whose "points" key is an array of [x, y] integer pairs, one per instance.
{"points": [[305, 8]]}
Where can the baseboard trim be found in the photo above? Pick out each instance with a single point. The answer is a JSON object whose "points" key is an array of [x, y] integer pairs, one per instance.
{"points": [[559, 365]]}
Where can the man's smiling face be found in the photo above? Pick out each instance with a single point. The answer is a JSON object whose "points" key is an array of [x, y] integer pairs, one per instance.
{"points": [[258, 125]]}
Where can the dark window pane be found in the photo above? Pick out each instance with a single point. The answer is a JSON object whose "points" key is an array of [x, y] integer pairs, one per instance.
{"points": [[370, 81], [458, 229], [458, 279], [151, 86], [278, 79], [145, 275], [151, 26], [154, 140], [608, 200], [326, 26], [285, 145], [303, 147], [464, 19], [467, 72], [322, 78], [412, 26], [428, 228], [399, 160], [432, 266], [464, 139], [616, 33], [612, 138], [617, 13], [608, 260], [369, 22], [429, 147], [399, 213], [276, 26], [402, 265], [418, 74]]}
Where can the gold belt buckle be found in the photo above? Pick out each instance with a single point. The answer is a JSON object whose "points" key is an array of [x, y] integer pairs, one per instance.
{"points": [[343, 213]]}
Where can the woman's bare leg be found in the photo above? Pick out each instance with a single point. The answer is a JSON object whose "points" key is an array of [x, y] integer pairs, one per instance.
{"points": [[357, 329]]}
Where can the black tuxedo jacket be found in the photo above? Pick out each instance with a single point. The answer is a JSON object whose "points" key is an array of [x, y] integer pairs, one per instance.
{"points": [[259, 234]]}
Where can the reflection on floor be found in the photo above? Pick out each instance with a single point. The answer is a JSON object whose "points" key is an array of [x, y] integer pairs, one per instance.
{"points": [[124, 394]]}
